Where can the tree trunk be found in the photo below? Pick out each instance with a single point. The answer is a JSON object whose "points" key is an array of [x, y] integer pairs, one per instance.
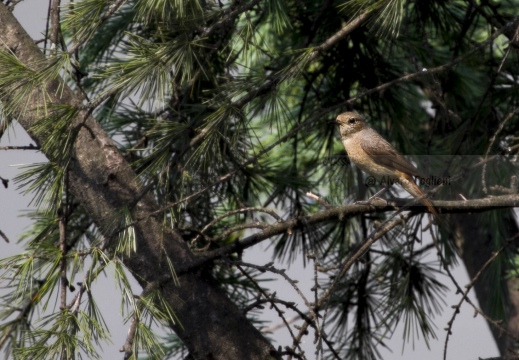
{"points": [[210, 325]]}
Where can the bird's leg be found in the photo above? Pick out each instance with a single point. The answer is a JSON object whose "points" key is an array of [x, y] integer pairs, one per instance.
{"points": [[375, 197]]}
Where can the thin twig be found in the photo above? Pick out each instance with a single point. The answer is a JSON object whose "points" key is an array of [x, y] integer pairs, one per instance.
{"points": [[130, 338], [464, 298], [62, 223], [319, 199], [29, 147], [55, 25], [371, 239], [4, 236], [271, 299], [293, 319], [292, 282], [344, 268], [311, 319], [254, 225], [492, 140], [234, 212], [127, 347]]}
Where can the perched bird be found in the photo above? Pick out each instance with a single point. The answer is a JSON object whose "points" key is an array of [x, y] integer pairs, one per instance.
{"points": [[375, 156]]}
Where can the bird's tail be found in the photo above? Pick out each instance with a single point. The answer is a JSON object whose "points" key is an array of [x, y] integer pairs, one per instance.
{"points": [[428, 204], [414, 190]]}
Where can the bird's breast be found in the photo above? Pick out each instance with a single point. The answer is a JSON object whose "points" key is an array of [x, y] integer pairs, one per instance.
{"points": [[361, 159]]}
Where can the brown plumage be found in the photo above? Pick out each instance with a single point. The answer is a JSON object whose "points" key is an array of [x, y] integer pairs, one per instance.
{"points": [[375, 156]]}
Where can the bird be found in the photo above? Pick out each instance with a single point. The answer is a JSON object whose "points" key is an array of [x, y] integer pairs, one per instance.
{"points": [[374, 155]]}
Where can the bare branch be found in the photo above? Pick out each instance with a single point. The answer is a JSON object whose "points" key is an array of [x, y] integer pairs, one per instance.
{"points": [[339, 35], [319, 199], [234, 212], [127, 348], [272, 300], [4, 236], [29, 147], [464, 298], [293, 283], [62, 222], [55, 25], [341, 213]]}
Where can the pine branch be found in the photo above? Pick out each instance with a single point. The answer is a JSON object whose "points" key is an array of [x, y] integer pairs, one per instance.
{"points": [[102, 19], [275, 79], [323, 113], [342, 213], [107, 185]]}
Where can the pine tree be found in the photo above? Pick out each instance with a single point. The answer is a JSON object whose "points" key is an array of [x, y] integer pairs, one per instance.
{"points": [[181, 133]]}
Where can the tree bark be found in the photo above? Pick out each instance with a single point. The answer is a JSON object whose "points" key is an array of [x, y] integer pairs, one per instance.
{"points": [[210, 325]]}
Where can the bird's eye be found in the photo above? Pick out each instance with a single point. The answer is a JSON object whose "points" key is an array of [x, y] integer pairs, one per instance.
{"points": [[352, 121]]}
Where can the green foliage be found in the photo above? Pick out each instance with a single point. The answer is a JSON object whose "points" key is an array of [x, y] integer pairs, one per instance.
{"points": [[221, 106]]}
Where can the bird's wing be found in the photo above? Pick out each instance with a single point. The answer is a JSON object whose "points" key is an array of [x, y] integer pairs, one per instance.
{"points": [[384, 154]]}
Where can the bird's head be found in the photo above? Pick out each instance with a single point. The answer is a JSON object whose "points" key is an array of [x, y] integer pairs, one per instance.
{"points": [[350, 123]]}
